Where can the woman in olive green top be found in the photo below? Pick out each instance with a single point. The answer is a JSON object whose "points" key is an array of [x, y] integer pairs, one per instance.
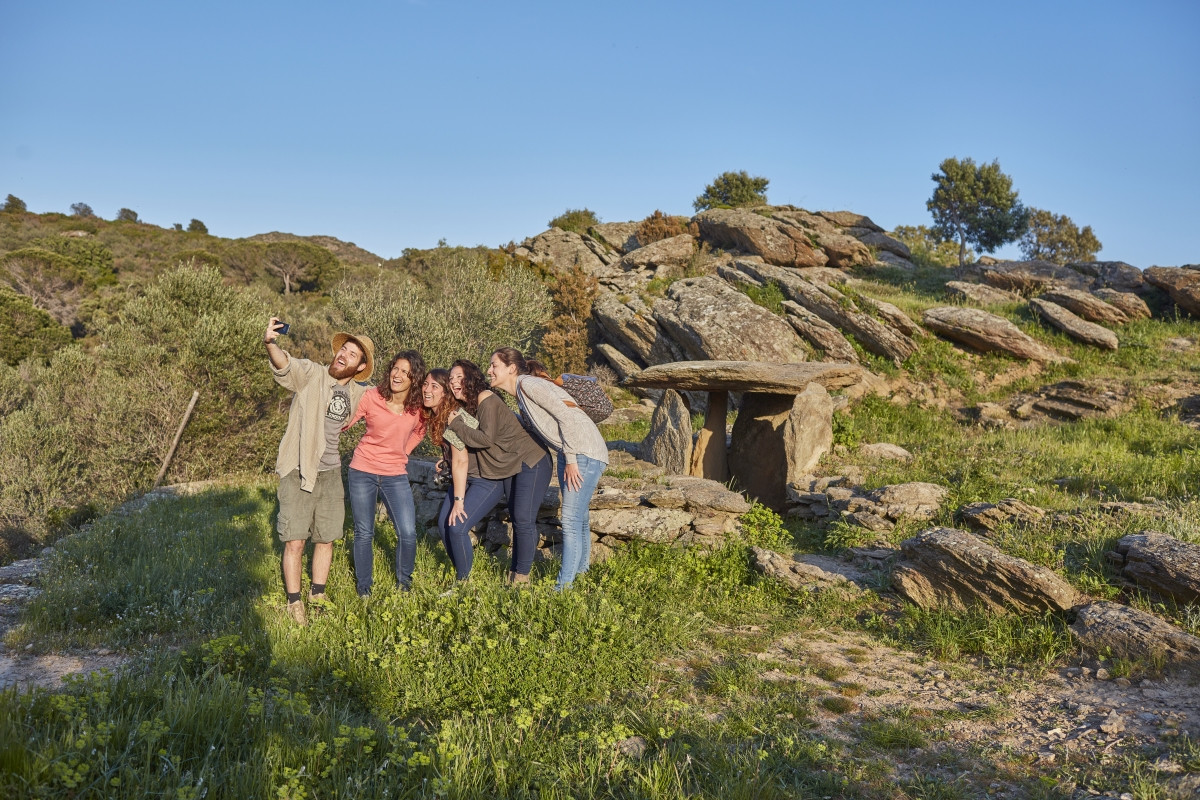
{"points": [[506, 454]]}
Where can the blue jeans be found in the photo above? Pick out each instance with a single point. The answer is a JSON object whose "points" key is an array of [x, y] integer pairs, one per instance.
{"points": [[525, 492], [576, 533], [365, 489], [480, 497]]}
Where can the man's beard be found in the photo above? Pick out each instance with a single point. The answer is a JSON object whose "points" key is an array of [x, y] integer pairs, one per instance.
{"points": [[341, 373]]}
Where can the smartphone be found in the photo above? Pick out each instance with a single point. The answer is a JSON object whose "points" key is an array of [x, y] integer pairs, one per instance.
{"points": [[282, 327]]}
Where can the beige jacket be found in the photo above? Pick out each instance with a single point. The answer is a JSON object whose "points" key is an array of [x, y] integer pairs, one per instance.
{"points": [[304, 440]]}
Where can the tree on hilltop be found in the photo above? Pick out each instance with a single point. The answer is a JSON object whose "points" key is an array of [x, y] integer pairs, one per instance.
{"points": [[731, 190], [82, 210], [127, 215], [13, 205], [196, 226], [300, 265], [1054, 237], [975, 204]]}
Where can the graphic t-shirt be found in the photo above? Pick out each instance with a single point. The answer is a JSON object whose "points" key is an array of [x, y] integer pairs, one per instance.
{"points": [[335, 417]]}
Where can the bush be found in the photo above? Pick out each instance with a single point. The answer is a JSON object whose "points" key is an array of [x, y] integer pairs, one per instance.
{"points": [[659, 226], [93, 258], [576, 220], [731, 190], [564, 347], [50, 281], [27, 331], [472, 301], [1054, 237], [98, 424], [928, 249]]}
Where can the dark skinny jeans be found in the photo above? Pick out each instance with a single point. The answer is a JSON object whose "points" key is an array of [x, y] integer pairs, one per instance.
{"points": [[525, 492], [480, 497]]}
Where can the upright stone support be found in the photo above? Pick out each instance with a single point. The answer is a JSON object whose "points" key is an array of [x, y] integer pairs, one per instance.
{"points": [[709, 459]]}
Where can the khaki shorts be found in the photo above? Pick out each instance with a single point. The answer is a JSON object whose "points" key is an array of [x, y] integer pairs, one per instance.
{"points": [[321, 512]]}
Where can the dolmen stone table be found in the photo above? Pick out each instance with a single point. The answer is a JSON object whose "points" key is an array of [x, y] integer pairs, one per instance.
{"points": [[784, 426]]}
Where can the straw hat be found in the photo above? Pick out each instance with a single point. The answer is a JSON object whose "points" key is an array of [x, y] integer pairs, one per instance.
{"points": [[365, 344]]}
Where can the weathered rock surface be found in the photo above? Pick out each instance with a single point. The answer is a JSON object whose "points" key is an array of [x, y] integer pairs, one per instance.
{"points": [[1163, 564], [980, 293], [986, 332], [884, 451], [819, 333], [566, 249], [630, 326], [1087, 306], [776, 439], [885, 243], [1110, 274], [850, 219], [711, 320], [1124, 632], [1078, 329], [665, 258], [1182, 285], [620, 236], [1129, 304], [747, 376], [949, 568], [835, 308], [806, 572], [990, 516], [1031, 277], [777, 241], [669, 442]]}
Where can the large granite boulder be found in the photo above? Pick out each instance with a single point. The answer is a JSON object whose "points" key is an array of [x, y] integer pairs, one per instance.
{"points": [[1112, 629], [1078, 329], [630, 326], [850, 219], [1163, 564], [1110, 274], [953, 569], [711, 320], [567, 249], [776, 439], [1088, 306], [1181, 284], [1031, 277], [669, 442], [778, 241], [665, 258], [819, 333], [620, 236], [1129, 304], [887, 244], [987, 333]]}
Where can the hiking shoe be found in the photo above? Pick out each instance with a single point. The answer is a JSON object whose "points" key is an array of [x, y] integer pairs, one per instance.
{"points": [[296, 612], [320, 604]]}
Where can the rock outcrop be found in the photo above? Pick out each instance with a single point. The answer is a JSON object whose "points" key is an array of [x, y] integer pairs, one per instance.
{"points": [[566, 249], [1087, 306], [1128, 303], [949, 568], [980, 293], [777, 241], [1182, 285], [807, 572], [987, 333], [1009, 511], [1161, 563]]}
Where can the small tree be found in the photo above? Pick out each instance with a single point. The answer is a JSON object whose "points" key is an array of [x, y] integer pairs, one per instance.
{"points": [[13, 205], [301, 265], [127, 215], [576, 220], [564, 347], [82, 210], [196, 226], [929, 249], [731, 190], [1054, 237], [976, 204]]}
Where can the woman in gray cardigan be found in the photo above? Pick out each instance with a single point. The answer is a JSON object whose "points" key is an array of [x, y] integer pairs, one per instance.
{"points": [[552, 415]]}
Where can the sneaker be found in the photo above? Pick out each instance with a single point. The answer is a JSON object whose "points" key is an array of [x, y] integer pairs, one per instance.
{"points": [[320, 603], [296, 612]]}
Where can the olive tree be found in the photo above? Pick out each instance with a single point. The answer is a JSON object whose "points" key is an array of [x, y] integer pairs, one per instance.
{"points": [[1054, 237], [975, 204]]}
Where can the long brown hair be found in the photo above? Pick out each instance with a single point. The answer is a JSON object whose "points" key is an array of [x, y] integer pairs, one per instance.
{"points": [[473, 384], [436, 418], [416, 366], [512, 357]]}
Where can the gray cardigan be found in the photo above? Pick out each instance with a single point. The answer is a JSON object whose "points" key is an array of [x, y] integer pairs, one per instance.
{"points": [[563, 427]]}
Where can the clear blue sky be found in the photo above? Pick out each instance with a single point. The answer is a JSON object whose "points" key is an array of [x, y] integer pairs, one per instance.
{"points": [[395, 124]]}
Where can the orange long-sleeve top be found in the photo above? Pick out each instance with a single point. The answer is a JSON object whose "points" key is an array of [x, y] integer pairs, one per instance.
{"points": [[390, 437]]}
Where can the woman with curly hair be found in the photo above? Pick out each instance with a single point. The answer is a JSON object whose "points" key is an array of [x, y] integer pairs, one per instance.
{"points": [[380, 467], [509, 461]]}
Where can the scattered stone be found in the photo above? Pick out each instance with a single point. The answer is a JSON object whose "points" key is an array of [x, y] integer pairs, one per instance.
{"points": [[949, 568], [633, 747], [1124, 632], [990, 516], [1087, 306], [884, 451], [1078, 329], [987, 333], [1128, 303], [1163, 564], [808, 572], [981, 293]]}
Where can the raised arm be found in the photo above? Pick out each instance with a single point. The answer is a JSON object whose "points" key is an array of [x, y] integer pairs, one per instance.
{"points": [[279, 358]]}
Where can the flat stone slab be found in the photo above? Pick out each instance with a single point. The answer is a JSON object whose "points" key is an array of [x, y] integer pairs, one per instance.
{"points": [[746, 376]]}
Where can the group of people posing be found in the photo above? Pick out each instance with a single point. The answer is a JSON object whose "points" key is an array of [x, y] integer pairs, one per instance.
{"points": [[492, 454]]}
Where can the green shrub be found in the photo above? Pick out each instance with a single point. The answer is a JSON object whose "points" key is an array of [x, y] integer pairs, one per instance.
{"points": [[731, 190], [927, 248], [27, 331], [13, 205], [50, 281], [564, 346], [469, 304], [762, 527], [89, 255], [769, 296], [576, 220]]}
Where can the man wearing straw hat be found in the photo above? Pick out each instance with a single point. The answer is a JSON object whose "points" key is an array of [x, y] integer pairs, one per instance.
{"points": [[311, 495]]}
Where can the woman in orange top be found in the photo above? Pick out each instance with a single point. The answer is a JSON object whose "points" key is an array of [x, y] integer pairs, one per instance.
{"points": [[380, 467]]}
